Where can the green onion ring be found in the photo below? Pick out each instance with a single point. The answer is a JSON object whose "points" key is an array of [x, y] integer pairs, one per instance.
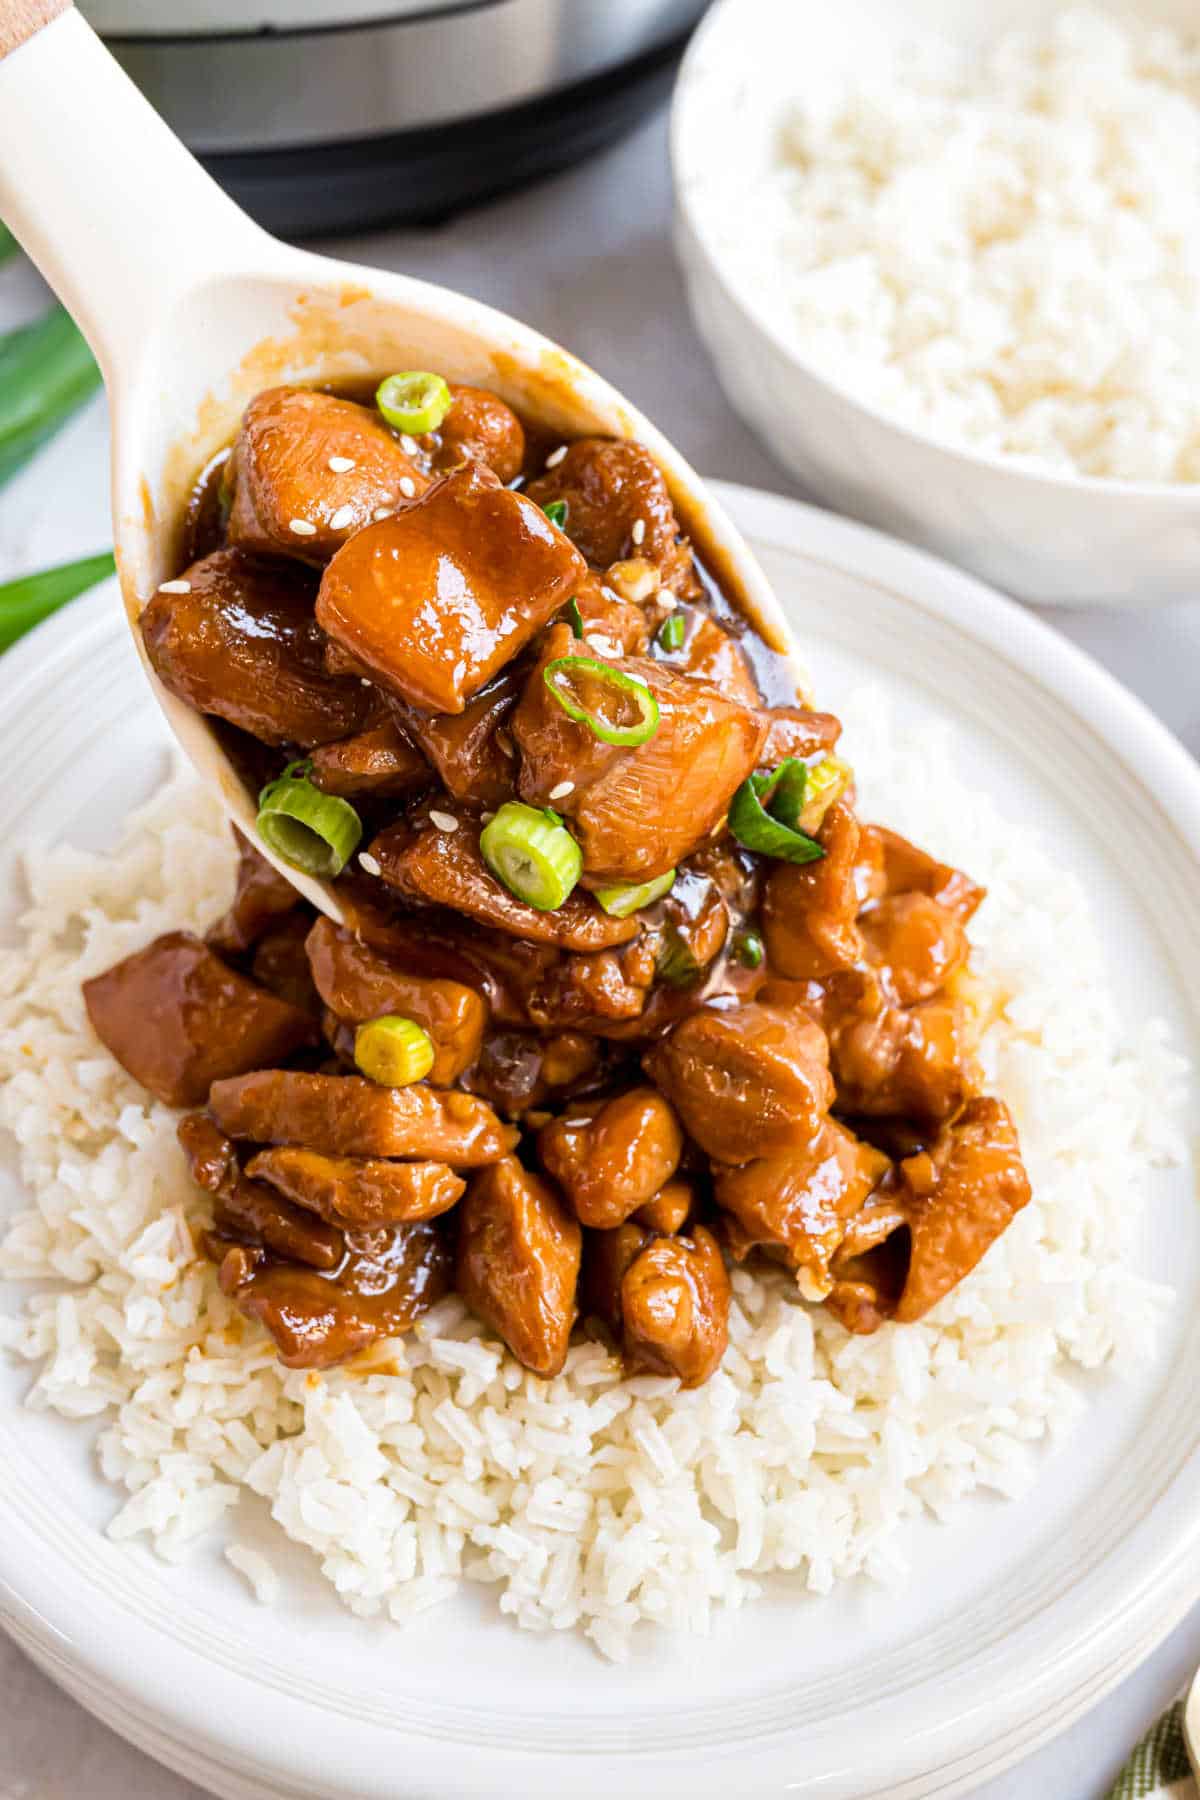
{"points": [[556, 512], [414, 401], [316, 832], [393, 1051], [536, 859], [625, 897], [574, 617], [625, 687]]}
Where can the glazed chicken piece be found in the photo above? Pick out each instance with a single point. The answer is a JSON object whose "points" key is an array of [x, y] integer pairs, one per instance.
{"points": [[913, 1062], [797, 1203], [611, 625], [670, 1209], [915, 943], [611, 1157], [518, 1263], [747, 1081], [586, 992], [289, 471], [248, 1211], [262, 898], [349, 1190], [387, 1278], [359, 983], [608, 486], [177, 1019], [952, 1202], [479, 428], [666, 1299], [794, 731], [810, 909], [635, 811], [712, 654], [434, 601], [909, 870], [242, 643], [446, 868], [345, 1115], [471, 751], [379, 761]]}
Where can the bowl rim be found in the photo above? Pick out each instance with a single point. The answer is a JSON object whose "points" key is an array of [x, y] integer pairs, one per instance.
{"points": [[680, 126]]}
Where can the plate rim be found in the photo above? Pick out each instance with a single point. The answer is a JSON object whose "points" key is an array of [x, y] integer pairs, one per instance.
{"points": [[1039, 654]]}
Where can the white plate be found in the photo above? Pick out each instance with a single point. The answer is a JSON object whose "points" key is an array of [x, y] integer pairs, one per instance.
{"points": [[1018, 1617]]}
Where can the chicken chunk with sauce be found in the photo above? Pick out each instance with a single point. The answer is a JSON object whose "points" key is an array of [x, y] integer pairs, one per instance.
{"points": [[310, 470], [518, 1263], [434, 601], [241, 642]]}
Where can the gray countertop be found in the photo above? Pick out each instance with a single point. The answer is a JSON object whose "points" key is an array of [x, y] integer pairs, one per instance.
{"points": [[587, 258]]}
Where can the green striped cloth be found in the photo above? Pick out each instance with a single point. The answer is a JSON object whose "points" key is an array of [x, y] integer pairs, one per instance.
{"points": [[1159, 1766]]}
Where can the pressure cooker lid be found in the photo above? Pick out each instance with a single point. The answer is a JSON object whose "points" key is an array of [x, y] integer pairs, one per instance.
{"points": [[186, 18]]}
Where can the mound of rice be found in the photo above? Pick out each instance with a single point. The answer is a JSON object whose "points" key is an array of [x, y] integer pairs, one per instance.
{"points": [[1003, 249], [592, 1500]]}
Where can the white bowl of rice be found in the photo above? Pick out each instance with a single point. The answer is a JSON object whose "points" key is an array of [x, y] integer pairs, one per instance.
{"points": [[946, 258]]}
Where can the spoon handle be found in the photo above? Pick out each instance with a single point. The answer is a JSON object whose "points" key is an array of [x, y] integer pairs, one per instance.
{"points": [[119, 217]]}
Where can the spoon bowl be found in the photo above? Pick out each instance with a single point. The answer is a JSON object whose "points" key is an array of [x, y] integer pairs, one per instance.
{"points": [[192, 309]]}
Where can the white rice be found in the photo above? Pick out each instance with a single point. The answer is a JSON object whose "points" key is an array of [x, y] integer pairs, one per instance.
{"points": [[592, 1500], [1000, 247]]}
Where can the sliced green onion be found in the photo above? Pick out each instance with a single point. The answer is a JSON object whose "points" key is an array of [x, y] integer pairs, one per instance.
{"points": [[556, 512], [677, 963], [538, 861], [393, 1051], [414, 401], [786, 791], [8, 243], [632, 710], [46, 373], [625, 897], [574, 617], [758, 829], [316, 832], [749, 949], [25, 602], [827, 782], [672, 632]]}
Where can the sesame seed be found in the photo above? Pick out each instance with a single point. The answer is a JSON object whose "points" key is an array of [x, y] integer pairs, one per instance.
{"points": [[484, 819], [556, 456], [174, 587], [381, 512], [408, 487], [443, 821], [639, 530], [562, 790], [667, 600], [302, 528], [366, 681], [367, 861], [574, 1124], [410, 446], [597, 641], [341, 465], [342, 517]]}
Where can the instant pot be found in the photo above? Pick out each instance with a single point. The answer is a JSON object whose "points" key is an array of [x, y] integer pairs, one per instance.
{"points": [[330, 115]]}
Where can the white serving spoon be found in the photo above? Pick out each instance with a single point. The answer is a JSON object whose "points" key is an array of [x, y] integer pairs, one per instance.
{"points": [[191, 309]]}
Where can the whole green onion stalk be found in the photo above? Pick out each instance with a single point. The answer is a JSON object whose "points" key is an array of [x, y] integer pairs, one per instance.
{"points": [[46, 374], [25, 602]]}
